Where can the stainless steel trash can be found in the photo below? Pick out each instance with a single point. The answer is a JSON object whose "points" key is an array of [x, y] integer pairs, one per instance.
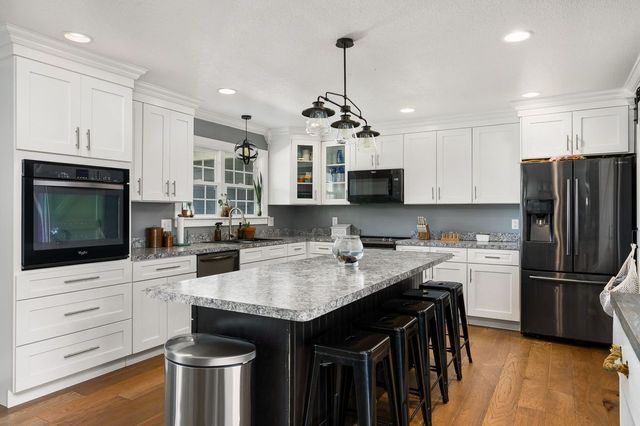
{"points": [[208, 380]]}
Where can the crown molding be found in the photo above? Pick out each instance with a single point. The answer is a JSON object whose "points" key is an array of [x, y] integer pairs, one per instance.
{"points": [[226, 120], [633, 79], [159, 96], [574, 101], [15, 40], [443, 122]]}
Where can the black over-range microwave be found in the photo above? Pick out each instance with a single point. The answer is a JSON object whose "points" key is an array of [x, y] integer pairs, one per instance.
{"points": [[376, 186], [73, 214]]}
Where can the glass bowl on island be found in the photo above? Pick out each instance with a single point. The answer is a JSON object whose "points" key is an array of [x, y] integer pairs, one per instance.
{"points": [[348, 250]]}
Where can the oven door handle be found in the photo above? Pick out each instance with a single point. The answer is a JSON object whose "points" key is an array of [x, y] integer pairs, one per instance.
{"points": [[76, 184]]}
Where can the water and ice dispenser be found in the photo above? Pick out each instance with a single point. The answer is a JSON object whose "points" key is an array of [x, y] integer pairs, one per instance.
{"points": [[539, 216]]}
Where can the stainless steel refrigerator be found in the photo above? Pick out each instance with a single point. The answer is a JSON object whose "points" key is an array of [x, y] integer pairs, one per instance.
{"points": [[578, 224]]}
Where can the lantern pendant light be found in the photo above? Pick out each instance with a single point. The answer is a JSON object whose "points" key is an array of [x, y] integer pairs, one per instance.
{"points": [[246, 151], [318, 115]]}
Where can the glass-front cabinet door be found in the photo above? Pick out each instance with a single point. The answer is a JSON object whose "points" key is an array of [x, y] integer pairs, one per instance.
{"points": [[334, 173], [306, 171]]}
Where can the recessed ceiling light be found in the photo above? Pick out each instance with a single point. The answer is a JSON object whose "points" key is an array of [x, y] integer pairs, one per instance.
{"points": [[226, 91], [517, 36], [530, 94], [77, 37], [407, 110]]}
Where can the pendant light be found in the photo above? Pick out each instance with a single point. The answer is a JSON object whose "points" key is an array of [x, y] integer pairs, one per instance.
{"points": [[246, 151], [318, 115]]}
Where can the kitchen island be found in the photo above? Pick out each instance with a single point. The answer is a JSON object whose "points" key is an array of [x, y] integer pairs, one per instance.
{"points": [[283, 308]]}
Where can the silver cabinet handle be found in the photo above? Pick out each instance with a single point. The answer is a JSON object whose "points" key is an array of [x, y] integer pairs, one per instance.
{"points": [[439, 195], [577, 142], [433, 197], [168, 188], [81, 311], [81, 280], [566, 280], [568, 144], [139, 186], [475, 192], [84, 351], [166, 268], [492, 257], [89, 139], [470, 275], [174, 187], [77, 137], [576, 218], [568, 200]]}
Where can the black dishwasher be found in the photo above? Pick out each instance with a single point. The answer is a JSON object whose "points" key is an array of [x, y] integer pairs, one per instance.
{"points": [[214, 264], [218, 263]]}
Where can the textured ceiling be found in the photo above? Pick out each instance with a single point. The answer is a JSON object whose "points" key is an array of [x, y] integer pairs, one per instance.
{"points": [[440, 57]]}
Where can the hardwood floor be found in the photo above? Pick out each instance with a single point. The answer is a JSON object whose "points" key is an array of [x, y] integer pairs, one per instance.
{"points": [[513, 380]]}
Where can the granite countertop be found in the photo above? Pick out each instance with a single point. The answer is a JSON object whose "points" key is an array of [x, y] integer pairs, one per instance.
{"points": [[627, 309], [142, 254], [492, 245], [300, 290]]}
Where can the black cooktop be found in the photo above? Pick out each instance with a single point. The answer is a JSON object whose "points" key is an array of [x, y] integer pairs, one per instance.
{"points": [[380, 242]]}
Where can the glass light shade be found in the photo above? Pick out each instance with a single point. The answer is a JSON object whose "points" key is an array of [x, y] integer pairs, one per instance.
{"points": [[346, 135], [317, 126], [368, 142]]}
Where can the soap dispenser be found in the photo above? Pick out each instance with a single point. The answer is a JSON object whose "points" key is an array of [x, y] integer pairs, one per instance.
{"points": [[217, 233]]}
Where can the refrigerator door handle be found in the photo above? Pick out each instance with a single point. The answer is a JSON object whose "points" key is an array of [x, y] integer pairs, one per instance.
{"points": [[568, 201], [566, 280], [576, 218]]}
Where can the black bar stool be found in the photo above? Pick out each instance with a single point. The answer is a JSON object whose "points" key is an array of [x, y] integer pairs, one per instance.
{"points": [[455, 290], [362, 351], [445, 319], [405, 347]]}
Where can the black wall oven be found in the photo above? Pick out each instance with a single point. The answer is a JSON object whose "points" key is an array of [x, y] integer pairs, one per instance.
{"points": [[376, 186], [73, 214]]}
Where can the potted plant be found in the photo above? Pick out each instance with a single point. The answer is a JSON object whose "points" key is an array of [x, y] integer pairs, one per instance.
{"points": [[249, 232], [257, 186], [223, 202]]}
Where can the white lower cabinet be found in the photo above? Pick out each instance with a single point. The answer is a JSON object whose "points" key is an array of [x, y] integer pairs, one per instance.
{"points": [[270, 255], [629, 386], [494, 292], [452, 271], [53, 359], [154, 320], [319, 248]]}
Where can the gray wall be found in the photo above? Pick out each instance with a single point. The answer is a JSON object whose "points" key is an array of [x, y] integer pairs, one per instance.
{"points": [[207, 129], [144, 215], [399, 220]]}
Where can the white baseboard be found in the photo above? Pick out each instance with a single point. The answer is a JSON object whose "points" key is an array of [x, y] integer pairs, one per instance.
{"points": [[13, 399], [493, 323]]}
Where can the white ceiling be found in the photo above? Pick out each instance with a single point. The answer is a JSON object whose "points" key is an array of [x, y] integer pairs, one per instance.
{"points": [[439, 56]]}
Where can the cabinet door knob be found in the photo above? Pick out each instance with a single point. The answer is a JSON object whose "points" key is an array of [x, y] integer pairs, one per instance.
{"points": [[89, 139]]}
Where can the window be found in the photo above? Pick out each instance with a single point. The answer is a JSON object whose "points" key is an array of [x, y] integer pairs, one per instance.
{"points": [[238, 178], [205, 198]]}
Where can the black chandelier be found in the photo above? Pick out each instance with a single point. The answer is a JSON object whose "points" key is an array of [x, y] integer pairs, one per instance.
{"points": [[246, 151], [318, 115]]}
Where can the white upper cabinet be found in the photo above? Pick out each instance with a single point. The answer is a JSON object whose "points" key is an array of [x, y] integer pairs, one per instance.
{"points": [[106, 119], [306, 161], [181, 161], [454, 166], [63, 112], [335, 165], [48, 108], [390, 152], [546, 135], [601, 131], [496, 164], [585, 132], [166, 150], [136, 171], [420, 158]]}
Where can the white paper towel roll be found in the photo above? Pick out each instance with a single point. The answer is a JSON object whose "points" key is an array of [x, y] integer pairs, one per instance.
{"points": [[180, 229]]}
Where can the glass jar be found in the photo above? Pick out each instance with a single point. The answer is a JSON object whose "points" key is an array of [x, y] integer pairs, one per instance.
{"points": [[348, 250]]}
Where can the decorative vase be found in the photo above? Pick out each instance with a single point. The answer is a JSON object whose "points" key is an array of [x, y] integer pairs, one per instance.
{"points": [[348, 250], [249, 232], [225, 211]]}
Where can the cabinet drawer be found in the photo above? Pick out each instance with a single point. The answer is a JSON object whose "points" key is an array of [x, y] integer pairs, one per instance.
{"points": [[65, 279], [414, 248], [52, 316], [296, 249], [275, 252], [251, 255], [166, 267], [318, 247], [494, 257], [459, 254], [53, 359]]}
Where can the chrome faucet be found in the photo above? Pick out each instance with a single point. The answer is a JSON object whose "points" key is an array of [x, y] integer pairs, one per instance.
{"points": [[231, 216]]}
